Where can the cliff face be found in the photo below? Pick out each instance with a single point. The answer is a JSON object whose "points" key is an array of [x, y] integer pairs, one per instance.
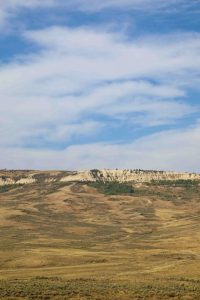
{"points": [[143, 176], [28, 177], [10, 180]]}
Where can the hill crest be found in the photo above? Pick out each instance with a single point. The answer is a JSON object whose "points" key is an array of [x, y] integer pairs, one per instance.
{"points": [[105, 175]]}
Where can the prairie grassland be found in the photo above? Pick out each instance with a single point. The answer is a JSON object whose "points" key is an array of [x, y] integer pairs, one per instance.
{"points": [[71, 241]]}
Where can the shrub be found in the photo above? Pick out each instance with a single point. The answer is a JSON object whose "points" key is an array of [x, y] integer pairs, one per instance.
{"points": [[113, 188], [6, 188], [176, 183]]}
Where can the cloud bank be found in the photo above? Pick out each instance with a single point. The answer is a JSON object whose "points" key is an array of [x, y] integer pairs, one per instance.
{"points": [[86, 98]]}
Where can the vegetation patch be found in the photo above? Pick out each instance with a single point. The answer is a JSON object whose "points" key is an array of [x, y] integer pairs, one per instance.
{"points": [[44, 288], [94, 172], [7, 188], [187, 183], [113, 188]]}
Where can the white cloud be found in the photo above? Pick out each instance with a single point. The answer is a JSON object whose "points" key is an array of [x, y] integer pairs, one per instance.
{"points": [[172, 150], [146, 5], [10, 8], [79, 74], [65, 132], [88, 52]]}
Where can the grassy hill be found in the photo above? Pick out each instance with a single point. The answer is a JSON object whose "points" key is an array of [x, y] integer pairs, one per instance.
{"points": [[62, 240]]}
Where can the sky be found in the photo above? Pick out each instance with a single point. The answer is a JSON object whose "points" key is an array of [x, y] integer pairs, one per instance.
{"points": [[90, 84]]}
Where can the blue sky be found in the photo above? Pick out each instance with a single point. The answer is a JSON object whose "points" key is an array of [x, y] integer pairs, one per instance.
{"points": [[100, 84]]}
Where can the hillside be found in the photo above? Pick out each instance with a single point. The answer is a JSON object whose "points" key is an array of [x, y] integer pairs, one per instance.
{"points": [[28, 177], [100, 234]]}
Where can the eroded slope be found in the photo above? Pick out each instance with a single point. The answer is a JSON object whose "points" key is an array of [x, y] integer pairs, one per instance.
{"points": [[72, 231]]}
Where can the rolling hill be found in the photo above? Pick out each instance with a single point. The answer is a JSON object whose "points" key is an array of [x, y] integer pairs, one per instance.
{"points": [[99, 234]]}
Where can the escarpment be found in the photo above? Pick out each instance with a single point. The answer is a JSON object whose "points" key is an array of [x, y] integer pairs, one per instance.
{"points": [[105, 175]]}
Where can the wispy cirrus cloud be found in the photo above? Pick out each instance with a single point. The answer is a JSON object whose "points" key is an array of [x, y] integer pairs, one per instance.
{"points": [[144, 5], [11, 8], [87, 97], [176, 150], [80, 77]]}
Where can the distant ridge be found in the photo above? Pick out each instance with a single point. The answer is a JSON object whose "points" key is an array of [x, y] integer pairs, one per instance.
{"points": [[28, 177]]}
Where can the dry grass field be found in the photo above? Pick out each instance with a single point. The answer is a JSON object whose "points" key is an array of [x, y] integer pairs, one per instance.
{"points": [[79, 241]]}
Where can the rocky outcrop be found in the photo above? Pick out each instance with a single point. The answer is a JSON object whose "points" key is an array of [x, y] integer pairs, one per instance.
{"points": [[129, 176], [12, 177], [80, 177], [12, 181], [141, 176]]}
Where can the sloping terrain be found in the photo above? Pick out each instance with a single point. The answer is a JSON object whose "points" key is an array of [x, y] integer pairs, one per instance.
{"points": [[95, 240], [105, 175]]}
